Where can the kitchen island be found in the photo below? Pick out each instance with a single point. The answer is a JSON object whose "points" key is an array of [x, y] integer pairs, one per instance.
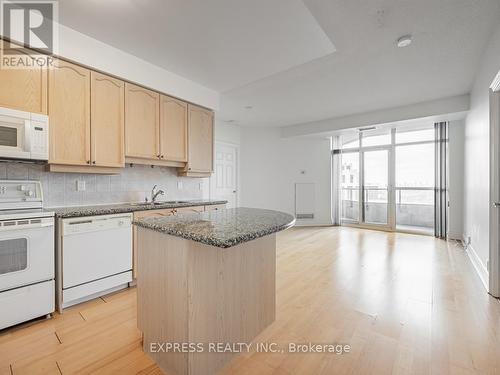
{"points": [[206, 280]]}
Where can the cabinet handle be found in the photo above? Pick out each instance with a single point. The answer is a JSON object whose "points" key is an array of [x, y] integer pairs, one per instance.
{"points": [[93, 162], [189, 168], [162, 156], [88, 161], [158, 156]]}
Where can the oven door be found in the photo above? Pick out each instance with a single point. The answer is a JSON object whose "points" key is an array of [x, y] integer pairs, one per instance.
{"points": [[26, 252], [13, 137]]}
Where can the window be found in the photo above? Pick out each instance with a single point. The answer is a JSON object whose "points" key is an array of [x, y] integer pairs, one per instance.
{"points": [[409, 136], [387, 178]]}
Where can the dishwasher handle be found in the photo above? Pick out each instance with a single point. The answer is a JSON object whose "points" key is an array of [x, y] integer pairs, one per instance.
{"points": [[95, 224]]}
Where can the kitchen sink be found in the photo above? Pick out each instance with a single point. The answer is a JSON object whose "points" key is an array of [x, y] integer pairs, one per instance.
{"points": [[146, 204]]}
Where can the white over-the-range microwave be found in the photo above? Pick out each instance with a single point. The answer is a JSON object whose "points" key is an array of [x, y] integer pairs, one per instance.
{"points": [[23, 135]]}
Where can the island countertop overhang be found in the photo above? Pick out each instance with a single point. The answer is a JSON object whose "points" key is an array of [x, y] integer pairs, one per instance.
{"points": [[223, 228]]}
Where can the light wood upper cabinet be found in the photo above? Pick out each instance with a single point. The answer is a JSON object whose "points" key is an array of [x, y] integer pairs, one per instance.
{"points": [[107, 121], [142, 122], [23, 89], [69, 114], [200, 140], [173, 129]]}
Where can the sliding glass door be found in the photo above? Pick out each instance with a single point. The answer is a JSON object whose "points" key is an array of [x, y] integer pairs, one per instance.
{"points": [[375, 199], [349, 186], [387, 180]]}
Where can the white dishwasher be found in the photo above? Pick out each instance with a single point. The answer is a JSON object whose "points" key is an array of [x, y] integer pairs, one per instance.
{"points": [[95, 256]]}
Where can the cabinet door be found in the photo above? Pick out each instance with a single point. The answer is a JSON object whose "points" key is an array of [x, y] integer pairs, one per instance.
{"points": [[200, 139], [215, 207], [141, 122], [23, 89], [190, 210], [107, 120], [140, 215], [173, 129], [69, 114]]}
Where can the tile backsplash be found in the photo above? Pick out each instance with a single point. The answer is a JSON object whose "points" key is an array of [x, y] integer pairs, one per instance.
{"points": [[133, 184]]}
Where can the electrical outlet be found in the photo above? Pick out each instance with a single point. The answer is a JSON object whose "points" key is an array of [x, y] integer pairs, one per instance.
{"points": [[80, 185], [200, 186], [179, 185]]}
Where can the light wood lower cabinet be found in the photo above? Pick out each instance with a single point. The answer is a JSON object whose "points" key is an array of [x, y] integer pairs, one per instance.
{"points": [[215, 207], [23, 89], [157, 213], [190, 210], [142, 123], [107, 121], [69, 114]]}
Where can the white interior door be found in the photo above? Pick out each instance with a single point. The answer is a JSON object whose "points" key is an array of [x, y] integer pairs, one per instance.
{"points": [[224, 181]]}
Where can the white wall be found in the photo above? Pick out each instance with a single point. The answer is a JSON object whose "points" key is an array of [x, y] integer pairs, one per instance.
{"points": [[85, 50], [476, 191], [271, 165], [456, 179], [227, 133]]}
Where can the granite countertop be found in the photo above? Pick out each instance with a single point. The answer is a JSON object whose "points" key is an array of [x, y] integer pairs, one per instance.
{"points": [[224, 228], [110, 209]]}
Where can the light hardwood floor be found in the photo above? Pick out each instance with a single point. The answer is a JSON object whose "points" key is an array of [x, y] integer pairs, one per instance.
{"points": [[405, 304]]}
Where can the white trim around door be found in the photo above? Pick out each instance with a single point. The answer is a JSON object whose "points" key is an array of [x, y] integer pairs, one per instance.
{"points": [[494, 241], [215, 192]]}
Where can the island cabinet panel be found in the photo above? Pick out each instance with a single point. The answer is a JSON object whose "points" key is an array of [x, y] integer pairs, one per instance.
{"points": [[173, 129], [200, 141], [69, 114], [196, 293], [215, 207], [107, 121], [140, 215], [142, 123], [23, 89]]}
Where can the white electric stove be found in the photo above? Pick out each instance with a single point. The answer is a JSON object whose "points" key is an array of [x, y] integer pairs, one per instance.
{"points": [[27, 288]]}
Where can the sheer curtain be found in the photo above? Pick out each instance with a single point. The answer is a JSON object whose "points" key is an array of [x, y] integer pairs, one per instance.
{"points": [[441, 180]]}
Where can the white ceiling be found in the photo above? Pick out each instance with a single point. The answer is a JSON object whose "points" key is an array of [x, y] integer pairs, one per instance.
{"points": [[221, 44], [299, 61]]}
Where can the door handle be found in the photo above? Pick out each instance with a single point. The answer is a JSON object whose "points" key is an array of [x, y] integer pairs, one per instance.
{"points": [[496, 204]]}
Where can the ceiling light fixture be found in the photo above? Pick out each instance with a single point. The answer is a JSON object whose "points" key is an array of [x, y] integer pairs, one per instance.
{"points": [[404, 41]]}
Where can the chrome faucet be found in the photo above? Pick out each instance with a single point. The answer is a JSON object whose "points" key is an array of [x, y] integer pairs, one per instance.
{"points": [[155, 192]]}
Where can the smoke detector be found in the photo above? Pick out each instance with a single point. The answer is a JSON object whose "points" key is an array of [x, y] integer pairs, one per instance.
{"points": [[404, 41]]}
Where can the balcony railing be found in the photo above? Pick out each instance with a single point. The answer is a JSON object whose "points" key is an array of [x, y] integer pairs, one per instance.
{"points": [[414, 206]]}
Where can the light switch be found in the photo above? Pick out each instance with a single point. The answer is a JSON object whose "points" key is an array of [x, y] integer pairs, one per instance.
{"points": [[179, 185], [200, 186], [80, 185]]}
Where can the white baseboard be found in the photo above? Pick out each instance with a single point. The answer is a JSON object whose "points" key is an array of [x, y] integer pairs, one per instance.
{"points": [[479, 266], [455, 236]]}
